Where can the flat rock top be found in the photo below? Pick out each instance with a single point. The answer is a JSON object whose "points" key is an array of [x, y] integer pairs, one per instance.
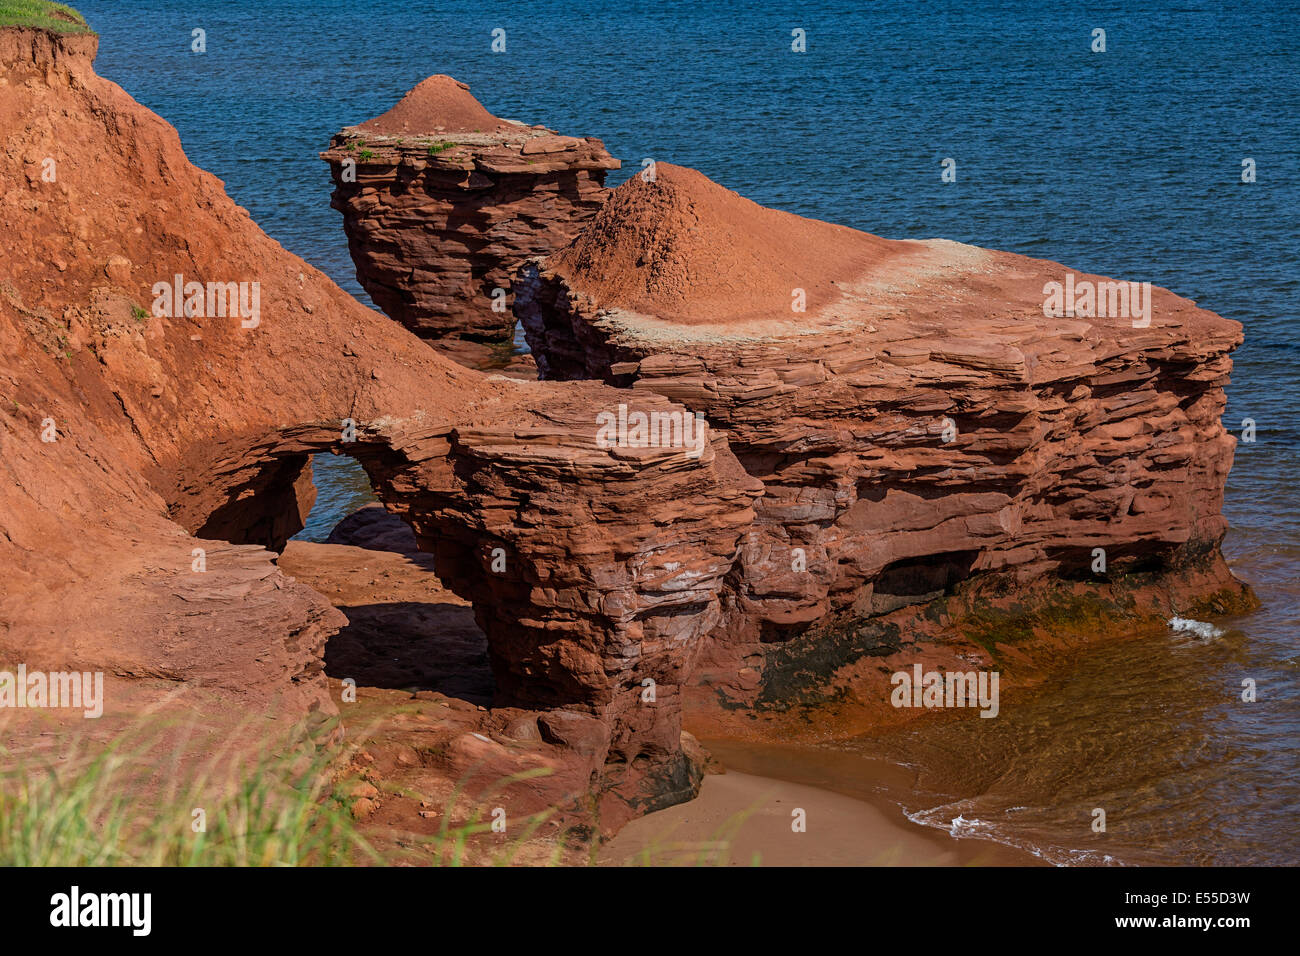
{"points": [[437, 104], [687, 251], [681, 259]]}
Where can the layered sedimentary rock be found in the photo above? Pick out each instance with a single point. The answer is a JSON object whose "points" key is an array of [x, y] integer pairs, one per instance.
{"points": [[157, 449], [441, 201], [593, 570], [913, 414], [604, 569], [920, 422]]}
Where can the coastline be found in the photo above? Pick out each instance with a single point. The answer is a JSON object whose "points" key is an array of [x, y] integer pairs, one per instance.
{"points": [[1127, 698], [744, 817]]}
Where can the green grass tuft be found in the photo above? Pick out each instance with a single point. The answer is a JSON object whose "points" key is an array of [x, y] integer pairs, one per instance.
{"points": [[43, 15], [286, 805], [83, 810]]}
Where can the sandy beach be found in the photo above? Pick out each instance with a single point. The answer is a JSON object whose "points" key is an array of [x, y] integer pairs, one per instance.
{"points": [[745, 818]]}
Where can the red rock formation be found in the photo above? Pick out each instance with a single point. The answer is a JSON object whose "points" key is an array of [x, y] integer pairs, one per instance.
{"points": [[171, 431], [595, 572], [441, 201], [132, 435], [921, 423]]}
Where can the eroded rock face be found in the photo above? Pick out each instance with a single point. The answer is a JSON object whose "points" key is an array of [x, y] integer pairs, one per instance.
{"points": [[156, 460], [103, 405], [922, 422], [595, 572], [441, 201]]}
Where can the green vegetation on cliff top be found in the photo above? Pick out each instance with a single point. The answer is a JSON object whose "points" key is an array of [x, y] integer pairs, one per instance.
{"points": [[43, 15]]}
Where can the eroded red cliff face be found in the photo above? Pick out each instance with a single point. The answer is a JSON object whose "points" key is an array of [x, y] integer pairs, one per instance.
{"points": [[102, 401], [919, 424], [441, 201], [157, 458], [594, 571]]}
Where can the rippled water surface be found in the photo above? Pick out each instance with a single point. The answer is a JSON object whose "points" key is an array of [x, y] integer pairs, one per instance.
{"points": [[1153, 731], [1125, 163]]}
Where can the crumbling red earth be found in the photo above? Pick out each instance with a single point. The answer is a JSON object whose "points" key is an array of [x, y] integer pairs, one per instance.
{"points": [[441, 201], [438, 104], [673, 245]]}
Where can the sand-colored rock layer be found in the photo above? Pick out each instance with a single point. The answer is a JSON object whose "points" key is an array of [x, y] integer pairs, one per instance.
{"points": [[441, 201]]}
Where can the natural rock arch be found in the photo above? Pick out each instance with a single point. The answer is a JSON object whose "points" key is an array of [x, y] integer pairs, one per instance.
{"points": [[594, 572]]}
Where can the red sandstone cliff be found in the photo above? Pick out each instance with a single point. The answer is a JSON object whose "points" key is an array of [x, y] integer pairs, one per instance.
{"points": [[922, 427], [441, 201], [171, 431]]}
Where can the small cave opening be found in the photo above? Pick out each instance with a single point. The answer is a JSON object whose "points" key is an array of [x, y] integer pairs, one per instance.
{"points": [[342, 489], [405, 630], [920, 580], [1095, 565]]}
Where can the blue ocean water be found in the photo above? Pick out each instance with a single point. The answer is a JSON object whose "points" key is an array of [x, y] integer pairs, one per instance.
{"points": [[1126, 163]]}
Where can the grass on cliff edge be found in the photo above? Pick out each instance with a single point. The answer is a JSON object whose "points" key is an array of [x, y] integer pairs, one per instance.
{"points": [[288, 804], [43, 15], [85, 807]]}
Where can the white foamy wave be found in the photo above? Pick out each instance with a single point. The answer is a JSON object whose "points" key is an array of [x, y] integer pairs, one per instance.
{"points": [[1201, 629], [959, 827]]}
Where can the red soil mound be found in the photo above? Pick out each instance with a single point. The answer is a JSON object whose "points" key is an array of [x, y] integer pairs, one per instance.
{"points": [[684, 249], [439, 103]]}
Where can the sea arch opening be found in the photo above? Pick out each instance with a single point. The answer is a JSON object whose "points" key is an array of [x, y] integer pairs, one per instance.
{"points": [[332, 501]]}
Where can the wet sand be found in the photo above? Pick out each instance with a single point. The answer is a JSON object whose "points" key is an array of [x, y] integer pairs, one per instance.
{"points": [[744, 817]]}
